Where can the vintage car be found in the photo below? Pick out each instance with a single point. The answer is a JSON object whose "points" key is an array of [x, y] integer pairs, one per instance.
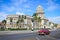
{"points": [[43, 31]]}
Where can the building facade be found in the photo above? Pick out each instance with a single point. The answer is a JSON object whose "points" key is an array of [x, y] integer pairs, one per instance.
{"points": [[23, 24]]}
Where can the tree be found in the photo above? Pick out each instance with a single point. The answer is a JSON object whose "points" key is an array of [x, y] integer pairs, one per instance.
{"points": [[38, 19], [49, 23], [20, 20], [25, 17], [22, 16], [18, 23], [55, 25], [4, 24], [19, 17], [11, 21], [35, 16], [32, 20]]}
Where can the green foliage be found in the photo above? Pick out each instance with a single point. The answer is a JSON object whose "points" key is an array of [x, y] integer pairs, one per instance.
{"points": [[17, 28], [22, 16], [34, 28], [36, 18], [35, 14], [17, 22], [39, 19], [55, 25], [32, 20], [25, 17], [2, 28], [19, 17], [4, 21], [22, 20], [11, 19]]}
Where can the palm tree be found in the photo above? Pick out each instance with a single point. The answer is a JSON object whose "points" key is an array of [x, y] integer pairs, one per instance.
{"points": [[17, 23], [25, 20], [22, 16], [35, 14], [55, 25], [36, 18], [32, 20], [25, 17], [19, 17], [20, 21], [11, 21], [4, 21], [39, 20], [49, 23], [4, 24]]}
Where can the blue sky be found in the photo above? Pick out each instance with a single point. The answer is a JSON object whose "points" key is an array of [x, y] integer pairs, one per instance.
{"points": [[28, 7]]}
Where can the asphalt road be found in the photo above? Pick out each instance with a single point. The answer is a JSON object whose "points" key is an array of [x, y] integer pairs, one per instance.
{"points": [[29, 36]]}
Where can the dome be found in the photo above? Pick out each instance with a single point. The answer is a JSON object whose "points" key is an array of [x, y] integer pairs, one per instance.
{"points": [[39, 9]]}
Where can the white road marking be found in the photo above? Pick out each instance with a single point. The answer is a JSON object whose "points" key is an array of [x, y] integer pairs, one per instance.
{"points": [[37, 38]]}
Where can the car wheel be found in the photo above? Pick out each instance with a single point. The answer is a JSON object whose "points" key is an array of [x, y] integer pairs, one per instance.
{"points": [[38, 34], [43, 34]]}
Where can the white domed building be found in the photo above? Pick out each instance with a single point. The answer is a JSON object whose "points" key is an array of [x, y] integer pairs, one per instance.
{"points": [[44, 20], [40, 11]]}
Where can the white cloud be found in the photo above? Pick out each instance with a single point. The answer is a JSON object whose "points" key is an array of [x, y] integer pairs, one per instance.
{"points": [[15, 5], [27, 6], [18, 13], [3, 16], [7, 8], [29, 10], [51, 6], [18, 2], [55, 19]]}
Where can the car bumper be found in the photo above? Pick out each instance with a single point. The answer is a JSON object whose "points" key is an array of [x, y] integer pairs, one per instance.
{"points": [[41, 33]]}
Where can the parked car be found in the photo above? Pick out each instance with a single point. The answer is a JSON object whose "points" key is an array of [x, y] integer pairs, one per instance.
{"points": [[43, 31]]}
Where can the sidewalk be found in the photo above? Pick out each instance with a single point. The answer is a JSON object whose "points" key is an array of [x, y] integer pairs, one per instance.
{"points": [[16, 32]]}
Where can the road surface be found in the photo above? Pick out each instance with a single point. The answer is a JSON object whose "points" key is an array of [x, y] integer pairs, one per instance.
{"points": [[28, 36]]}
